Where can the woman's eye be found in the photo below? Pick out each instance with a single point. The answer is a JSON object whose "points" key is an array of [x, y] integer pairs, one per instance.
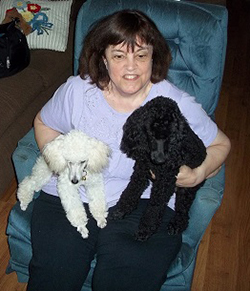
{"points": [[142, 57], [118, 57]]}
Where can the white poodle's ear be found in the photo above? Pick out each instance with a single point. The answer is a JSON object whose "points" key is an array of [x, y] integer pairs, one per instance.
{"points": [[53, 154], [98, 157]]}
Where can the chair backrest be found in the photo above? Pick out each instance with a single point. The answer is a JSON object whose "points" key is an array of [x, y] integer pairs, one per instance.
{"points": [[196, 34]]}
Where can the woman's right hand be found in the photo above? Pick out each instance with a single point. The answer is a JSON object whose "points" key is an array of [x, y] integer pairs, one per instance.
{"points": [[43, 133]]}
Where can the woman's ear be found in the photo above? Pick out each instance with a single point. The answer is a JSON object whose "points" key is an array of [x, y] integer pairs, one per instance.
{"points": [[105, 62]]}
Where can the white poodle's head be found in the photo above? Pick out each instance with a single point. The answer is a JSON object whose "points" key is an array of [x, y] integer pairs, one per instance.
{"points": [[76, 147], [77, 171]]}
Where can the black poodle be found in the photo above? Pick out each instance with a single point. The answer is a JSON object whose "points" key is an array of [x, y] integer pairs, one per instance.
{"points": [[160, 140]]}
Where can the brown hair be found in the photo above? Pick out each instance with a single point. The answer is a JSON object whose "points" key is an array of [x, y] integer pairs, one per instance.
{"points": [[123, 26]]}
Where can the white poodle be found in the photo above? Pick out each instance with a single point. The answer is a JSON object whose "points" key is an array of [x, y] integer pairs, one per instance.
{"points": [[78, 160]]}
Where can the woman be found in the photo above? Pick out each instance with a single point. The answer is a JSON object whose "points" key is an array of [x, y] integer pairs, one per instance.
{"points": [[123, 65]]}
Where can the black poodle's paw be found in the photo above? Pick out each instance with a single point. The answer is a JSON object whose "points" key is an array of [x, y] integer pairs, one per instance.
{"points": [[172, 229], [117, 214], [177, 225], [143, 235]]}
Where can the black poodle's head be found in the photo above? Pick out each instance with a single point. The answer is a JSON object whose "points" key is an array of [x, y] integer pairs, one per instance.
{"points": [[154, 131]]}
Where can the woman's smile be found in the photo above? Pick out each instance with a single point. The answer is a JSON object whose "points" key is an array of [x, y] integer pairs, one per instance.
{"points": [[131, 77]]}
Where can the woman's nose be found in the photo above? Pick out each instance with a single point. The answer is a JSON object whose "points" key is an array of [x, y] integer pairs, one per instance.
{"points": [[130, 63]]}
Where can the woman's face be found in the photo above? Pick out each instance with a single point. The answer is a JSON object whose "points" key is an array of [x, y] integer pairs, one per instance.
{"points": [[129, 71]]}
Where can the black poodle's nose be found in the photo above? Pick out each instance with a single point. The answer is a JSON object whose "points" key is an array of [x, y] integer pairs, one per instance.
{"points": [[157, 153], [158, 158]]}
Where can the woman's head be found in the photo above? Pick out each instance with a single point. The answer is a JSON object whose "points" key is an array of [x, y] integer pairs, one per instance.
{"points": [[130, 28]]}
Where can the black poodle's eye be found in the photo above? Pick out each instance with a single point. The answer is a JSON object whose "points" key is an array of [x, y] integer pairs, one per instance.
{"points": [[160, 129], [156, 124]]}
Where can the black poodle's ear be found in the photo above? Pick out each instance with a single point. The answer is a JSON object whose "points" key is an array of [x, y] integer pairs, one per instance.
{"points": [[191, 149], [134, 140], [179, 126]]}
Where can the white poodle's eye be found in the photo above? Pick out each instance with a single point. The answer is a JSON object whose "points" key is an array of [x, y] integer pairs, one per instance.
{"points": [[84, 164]]}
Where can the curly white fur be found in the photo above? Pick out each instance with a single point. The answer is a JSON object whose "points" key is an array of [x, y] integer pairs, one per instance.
{"points": [[78, 160]]}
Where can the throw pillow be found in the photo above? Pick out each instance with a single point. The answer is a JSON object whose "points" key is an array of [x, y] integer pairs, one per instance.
{"points": [[49, 21]]}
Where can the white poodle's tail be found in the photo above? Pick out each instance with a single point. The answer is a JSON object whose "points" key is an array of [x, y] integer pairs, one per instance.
{"points": [[40, 176]]}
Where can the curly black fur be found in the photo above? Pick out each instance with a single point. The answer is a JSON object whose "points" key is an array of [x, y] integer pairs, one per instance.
{"points": [[158, 137]]}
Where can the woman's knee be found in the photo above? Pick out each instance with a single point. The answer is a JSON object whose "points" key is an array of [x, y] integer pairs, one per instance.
{"points": [[132, 265]]}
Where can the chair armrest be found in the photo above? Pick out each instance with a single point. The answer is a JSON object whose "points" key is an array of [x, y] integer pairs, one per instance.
{"points": [[206, 203], [25, 155]]}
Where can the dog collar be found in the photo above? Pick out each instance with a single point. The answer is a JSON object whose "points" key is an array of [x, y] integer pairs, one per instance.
{"points": [[84, 177]]}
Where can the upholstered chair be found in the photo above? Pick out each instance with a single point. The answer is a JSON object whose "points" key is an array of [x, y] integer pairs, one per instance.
{"points": [[197, 36]]}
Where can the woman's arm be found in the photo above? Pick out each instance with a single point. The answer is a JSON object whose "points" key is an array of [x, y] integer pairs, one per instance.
{"points": [[217, 153], [43, 133]]}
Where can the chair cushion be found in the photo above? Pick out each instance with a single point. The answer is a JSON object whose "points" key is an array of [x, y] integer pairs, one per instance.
{"points": [[25, 155]]}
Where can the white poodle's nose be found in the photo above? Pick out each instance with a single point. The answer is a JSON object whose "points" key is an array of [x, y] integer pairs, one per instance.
{"points": [[74, 181]]}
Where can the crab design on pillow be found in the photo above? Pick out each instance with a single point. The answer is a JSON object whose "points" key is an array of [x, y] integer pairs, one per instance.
{"points": [[35, 15]]}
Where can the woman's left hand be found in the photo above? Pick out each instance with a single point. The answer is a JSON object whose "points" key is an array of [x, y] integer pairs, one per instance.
{"points": [[216, 155], [188, 177]]}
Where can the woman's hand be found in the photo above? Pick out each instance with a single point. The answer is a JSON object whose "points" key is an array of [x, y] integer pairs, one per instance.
{"points": [[188, 177], [216, 155], [152, 174]]}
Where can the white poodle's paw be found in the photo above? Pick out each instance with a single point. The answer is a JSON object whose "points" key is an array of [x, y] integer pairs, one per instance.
{"points": [[102, 222], [23, 205], [83, 231], [80, 222], [25, 198]]}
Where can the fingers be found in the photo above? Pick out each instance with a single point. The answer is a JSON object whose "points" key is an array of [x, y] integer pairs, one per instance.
{"points": [[188, 177], [152, 174]]}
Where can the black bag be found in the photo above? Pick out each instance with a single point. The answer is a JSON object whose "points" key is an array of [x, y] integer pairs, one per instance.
{"points": [[14, 49]]}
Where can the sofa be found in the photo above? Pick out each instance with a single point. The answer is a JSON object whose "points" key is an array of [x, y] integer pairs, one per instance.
{"points": [[22, 95], [197, 35]]}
